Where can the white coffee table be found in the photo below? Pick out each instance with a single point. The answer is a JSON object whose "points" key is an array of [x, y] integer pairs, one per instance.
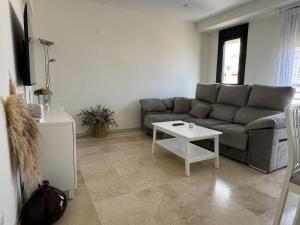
{"points": [[181, 146]]}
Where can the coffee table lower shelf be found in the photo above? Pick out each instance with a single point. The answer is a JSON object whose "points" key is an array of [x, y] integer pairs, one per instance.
{"points": [[196, 153]]}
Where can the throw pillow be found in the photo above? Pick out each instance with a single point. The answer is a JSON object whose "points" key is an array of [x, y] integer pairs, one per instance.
{"points": [[200, 111], [182, 105], [168, 102]]}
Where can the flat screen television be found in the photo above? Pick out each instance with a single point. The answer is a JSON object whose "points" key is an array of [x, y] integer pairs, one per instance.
{"points": [[21, 47], [26, 75]]}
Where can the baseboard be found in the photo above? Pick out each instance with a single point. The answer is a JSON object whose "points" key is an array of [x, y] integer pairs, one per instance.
{"points": [[82, 134], [113, 131], [253, 167]]}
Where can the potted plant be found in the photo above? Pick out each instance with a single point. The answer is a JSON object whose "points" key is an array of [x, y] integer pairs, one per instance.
{"points": [[99, 118], [44, 95]]}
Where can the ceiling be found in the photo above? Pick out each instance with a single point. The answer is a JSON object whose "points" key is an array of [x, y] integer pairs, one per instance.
{"points": [[188, 10]]}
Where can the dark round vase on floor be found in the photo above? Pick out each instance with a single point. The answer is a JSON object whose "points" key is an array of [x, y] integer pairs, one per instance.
{"points": [[45, 206]]}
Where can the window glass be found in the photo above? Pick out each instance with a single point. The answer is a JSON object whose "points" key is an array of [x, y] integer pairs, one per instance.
{"points": [[231, 59]]}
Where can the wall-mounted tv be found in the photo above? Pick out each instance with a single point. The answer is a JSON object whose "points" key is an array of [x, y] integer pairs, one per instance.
{"points": [[21, 47], [26, 78]]}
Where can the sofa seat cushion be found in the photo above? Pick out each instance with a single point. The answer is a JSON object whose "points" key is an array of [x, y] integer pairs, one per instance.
{"points": [[207, 92], [206, 122], [270, 97], [223, 112], [234, 135], [248, 114], [153, 118], [234, 94]]}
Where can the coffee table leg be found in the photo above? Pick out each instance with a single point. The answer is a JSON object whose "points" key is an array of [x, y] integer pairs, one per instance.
{"points": [[154, 140], [216, 148], [187, 159]]}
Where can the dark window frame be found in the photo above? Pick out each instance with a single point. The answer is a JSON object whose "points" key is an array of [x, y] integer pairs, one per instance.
{"points": [[241, 32]]}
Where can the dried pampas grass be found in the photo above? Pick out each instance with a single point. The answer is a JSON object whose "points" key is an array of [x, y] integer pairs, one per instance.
{"points": [[23, 135]]}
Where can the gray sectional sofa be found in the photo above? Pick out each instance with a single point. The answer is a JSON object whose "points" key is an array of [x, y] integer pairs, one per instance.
{"points": [[250, 117]]}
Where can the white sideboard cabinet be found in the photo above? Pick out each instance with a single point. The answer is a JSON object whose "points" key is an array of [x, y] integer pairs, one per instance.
{"points": [[57, 150]]}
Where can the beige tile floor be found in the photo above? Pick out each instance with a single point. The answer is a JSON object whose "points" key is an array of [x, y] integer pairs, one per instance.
{"points": [[121, 183]]}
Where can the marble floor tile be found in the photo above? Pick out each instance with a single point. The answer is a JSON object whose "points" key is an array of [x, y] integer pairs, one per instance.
{"points": [[103, 189], [81, 209], [162, 198], [252, 199], [184, 215], [82, 195], [85, 215], [123, 209]]}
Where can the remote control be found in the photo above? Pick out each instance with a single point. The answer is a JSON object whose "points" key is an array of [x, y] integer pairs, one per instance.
{"points": [[178, 124]]}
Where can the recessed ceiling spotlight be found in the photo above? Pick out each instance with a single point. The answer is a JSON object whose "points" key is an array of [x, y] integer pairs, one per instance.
{"points": [[187, 5]]}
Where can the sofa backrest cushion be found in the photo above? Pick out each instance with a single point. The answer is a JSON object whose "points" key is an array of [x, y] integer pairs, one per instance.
{"points": [[223, 112], [271, 97], [234, 94], [153, 105], [181, 105], [207, 92], [248, 114], [195, 102]]}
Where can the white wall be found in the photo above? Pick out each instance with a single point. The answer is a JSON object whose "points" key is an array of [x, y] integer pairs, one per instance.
{"points": [[113, 56], [208, 74], [8, 180], [262, 52]]}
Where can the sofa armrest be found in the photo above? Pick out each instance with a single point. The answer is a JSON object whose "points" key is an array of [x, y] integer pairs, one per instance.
{"points": [[153, 105], [276, 121], [267, 149]]}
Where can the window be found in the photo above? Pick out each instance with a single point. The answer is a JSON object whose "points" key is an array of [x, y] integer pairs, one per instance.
{"points": [[232, 55]]}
